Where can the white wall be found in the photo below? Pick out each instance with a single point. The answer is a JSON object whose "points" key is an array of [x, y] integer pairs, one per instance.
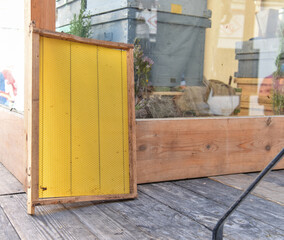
{"points": [[12, 46]]}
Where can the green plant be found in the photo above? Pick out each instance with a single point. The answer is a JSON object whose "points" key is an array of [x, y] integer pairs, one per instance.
{"points": [[278, 89], [81, 24], [142, 69], [278, 103]]}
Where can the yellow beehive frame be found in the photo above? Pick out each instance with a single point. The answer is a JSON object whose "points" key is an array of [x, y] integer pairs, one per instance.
{"points": [[33, 125]]}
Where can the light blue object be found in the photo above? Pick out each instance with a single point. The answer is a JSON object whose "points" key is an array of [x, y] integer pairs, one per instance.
{"points": [[2, 89]]}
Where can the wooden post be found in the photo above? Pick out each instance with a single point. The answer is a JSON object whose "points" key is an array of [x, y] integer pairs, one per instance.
{"points": [[40, 14]]}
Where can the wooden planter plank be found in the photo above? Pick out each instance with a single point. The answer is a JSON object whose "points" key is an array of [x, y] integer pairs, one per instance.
{"points": [[178, 149], [190, 148]]}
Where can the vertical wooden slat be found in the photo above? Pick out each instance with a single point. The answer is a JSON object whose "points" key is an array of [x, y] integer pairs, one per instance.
{"points": [[131, 122], [42, 14], [33, 124], [28, 100]]}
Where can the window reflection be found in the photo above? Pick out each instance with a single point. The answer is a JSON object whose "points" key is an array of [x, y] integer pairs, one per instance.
{"points": [[198, 58]]}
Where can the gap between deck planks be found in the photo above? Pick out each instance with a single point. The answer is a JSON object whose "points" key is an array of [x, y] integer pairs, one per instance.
{"points": [[271, 191]]}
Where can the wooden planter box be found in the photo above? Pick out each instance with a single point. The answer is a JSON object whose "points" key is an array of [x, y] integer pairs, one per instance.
{"points": [[170, 149]]}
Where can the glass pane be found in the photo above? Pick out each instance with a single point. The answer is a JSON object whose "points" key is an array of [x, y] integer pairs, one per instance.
{"points": [[193, 58]]}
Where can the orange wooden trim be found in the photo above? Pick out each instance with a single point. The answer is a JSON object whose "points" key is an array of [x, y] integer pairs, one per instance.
{"points": [[33, 125], [43, 14], [73, 38], [62, 200], [131, 122]]}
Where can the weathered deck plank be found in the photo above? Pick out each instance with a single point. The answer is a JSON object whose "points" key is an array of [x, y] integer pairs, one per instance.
{"points": [[7, 232], [157, 219], [267, 190], [51, 222], [104, 226], [8, 183], [265, 211], [125, 223], [276, 177], [207, 212]]}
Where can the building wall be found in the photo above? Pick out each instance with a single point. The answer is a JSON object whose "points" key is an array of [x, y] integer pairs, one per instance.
{"points": [[12, 53]]}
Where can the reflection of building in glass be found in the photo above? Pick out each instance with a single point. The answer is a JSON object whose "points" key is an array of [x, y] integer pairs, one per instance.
{"points": [[232, 21], [147, 26], [237, 45], [243, 42], [172, 34]]}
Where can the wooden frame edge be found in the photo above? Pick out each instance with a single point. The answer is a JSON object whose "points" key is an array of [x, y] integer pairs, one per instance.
{"points": [[63, 200], [73, 38], [131, 122], [33, 121]]}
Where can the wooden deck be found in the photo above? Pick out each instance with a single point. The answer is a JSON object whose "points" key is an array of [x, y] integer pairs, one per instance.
{"points": [[171, 210]]}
